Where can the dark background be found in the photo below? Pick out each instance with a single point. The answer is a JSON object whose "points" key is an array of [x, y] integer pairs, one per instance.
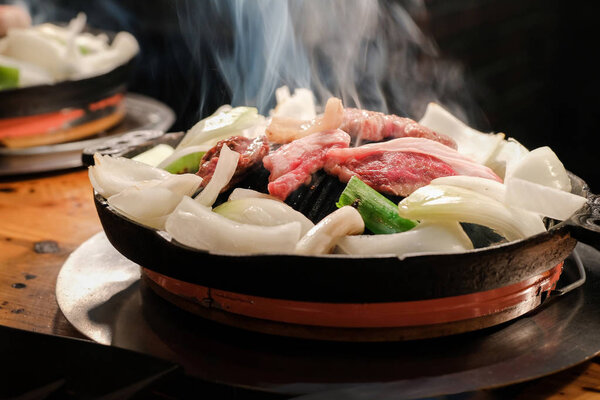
{"points": [[530, 64], [534, 70]]}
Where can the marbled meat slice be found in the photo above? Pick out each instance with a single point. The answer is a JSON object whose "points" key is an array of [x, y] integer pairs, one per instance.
{"points": [[401, 166], [375, 126], [251, 152], [293, 164], [392, 172]]}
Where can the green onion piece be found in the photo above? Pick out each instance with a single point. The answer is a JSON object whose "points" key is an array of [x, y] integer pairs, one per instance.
{"points": [[84, 50], [9, 77], [378, 212], [186, 164]]}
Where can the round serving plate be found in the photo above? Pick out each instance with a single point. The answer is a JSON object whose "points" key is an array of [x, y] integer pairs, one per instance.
{"points": [[101, 294], [141, 113]]}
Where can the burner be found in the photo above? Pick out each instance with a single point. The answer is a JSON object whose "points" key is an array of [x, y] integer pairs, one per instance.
{"points": [[101, 294]]}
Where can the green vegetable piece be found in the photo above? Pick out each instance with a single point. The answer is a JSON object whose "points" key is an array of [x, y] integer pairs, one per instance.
{"points": [[9, 77], [186, 164], [84, 50], [378, 212]]}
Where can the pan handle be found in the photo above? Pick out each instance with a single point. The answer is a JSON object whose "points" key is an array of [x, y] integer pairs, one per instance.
{"points": [[585, 224], [575, 284]]}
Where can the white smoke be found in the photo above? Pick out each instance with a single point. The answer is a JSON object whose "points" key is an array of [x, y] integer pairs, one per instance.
{"points": [[370, 54]]}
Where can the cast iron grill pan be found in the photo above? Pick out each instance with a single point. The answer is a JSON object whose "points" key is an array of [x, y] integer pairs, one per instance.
{"points": [[342, 278]]}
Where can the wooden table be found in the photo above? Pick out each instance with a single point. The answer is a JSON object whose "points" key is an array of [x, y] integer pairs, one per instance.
{"points": [[44, 218]]}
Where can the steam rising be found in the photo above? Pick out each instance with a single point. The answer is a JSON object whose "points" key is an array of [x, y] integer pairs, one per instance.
{"points": [[370, 54]]}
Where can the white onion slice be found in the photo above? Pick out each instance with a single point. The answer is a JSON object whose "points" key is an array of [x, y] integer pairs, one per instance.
{"points": [[262, 211], [195, 225], [149, 203], [29, 46], [488, 187], [224, 170], [243, 193], [155, 155], [451, 203], [544, 200], [506, 155], [29, 74], [123, 47], [541, 166], [477, 145], [225, 122], [427, 237], [134, 203], [110, 175], [322, 237]]}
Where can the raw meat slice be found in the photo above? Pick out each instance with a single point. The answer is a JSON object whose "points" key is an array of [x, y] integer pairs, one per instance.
{"points": [[294, 163], [393, 172], [375, 126], [251, 152], [401, 166]]}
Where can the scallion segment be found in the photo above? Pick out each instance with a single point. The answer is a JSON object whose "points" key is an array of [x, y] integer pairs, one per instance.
{"points": [[378, 212], [9, 77]]}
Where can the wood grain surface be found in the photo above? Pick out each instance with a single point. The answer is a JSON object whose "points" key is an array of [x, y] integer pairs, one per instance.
{"points": [[44, 218]]}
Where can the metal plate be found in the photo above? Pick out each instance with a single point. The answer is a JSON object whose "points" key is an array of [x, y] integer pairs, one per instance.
{"points": [[99, 292], [142, 113]]}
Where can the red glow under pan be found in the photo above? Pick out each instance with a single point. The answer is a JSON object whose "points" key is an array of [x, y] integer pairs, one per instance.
{"points": [[362, 321]]}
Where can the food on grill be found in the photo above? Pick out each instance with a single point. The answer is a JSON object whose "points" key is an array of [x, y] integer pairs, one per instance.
{"points": [[447, 203], [141, 192], [49, 53], [394, 172], [374, 126], [379, 213], [243, 193], [156, 155], [197, 226], [262, 211], [447, 187], [538, 182], [300, 105], [480, 147], [322, 238], [252, 152], [60, 84], [222, 124], [293, 164], [427, 237], [224, 171], [284, 129], [186, 160], [150, 202], [542, 166], [112, 175], [400, 166]]}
